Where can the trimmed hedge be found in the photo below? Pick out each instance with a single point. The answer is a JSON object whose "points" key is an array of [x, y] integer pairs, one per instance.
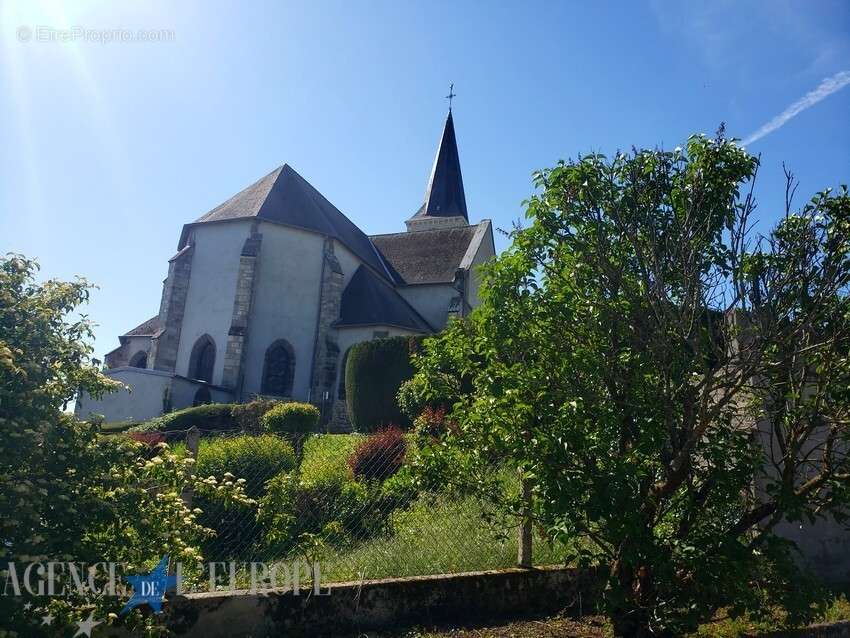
{"points": [[373, 374], [210, 416], [291, 418]]}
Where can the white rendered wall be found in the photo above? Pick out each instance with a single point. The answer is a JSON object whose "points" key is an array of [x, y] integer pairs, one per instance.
{"points": [[212, 287], [142, 401], [431, 301], [347, 261], [486, 251], [285, 303]]}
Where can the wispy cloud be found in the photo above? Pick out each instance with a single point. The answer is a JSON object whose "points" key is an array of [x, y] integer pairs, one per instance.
{"points": [[826, 88]]}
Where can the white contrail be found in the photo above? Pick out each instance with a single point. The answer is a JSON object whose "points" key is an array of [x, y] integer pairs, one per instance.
{"points": [[825, 89]]}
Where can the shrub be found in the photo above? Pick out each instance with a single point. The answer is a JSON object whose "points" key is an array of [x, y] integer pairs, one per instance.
{"points": [[247, 415], [339, 510], [373, 374], [431, 425], [148, 438], [291, 418], [256, 459], [252, 459], [210, 416], [380, 455], [401, 489]]}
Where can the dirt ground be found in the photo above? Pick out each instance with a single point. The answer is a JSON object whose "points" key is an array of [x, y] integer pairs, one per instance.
{"points": [[586, 627]]}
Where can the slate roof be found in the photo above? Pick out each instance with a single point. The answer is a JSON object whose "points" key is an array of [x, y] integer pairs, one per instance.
{"points": [[444, 196], [425, 256], [368, 300], [284, 197], [147, 329]]}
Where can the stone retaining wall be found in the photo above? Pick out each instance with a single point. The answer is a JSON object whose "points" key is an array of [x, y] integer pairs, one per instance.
{"points": [[395, 603]]}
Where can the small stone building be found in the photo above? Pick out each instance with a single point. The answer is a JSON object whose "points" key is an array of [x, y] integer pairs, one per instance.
{"points": [[269, 290]]}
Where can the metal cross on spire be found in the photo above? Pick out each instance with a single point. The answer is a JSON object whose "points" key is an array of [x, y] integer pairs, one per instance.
{"points": [[451, 95]]}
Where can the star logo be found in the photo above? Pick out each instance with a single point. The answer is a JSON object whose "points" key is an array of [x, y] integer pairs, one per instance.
{"points": [[149, 589], [84, 627]]}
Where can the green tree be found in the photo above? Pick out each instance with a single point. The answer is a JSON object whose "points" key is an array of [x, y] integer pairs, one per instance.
{"points": [[670, 387], [66, 494]]}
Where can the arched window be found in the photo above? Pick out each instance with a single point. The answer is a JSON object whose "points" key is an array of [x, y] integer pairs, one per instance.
{"points": [[139, 360], [202, 360], [202, 397], [341, 389], [279, 369]]}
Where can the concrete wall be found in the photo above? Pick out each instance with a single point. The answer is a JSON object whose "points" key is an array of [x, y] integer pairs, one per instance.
{"points": [[141, 401], [827, 630], [212, 286], [824, 548]]}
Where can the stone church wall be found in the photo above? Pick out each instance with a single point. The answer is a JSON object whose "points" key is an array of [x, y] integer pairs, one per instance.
{"points": [[129, 349], [285, 304], [209, 301]]}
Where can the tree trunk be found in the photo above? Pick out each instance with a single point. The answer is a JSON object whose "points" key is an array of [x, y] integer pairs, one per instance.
{"points": [[629, 594]]}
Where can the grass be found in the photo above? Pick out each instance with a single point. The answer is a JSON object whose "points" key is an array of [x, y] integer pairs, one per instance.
{"points": [[326, 456], [434, 534], [437, 535], [837, 608]]}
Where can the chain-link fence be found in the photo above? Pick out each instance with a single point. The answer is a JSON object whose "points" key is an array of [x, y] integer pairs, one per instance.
{"points": [[351, 502]]}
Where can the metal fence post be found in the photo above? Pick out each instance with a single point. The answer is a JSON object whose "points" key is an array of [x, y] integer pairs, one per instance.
{"points": [[193, 437], [524, 558]]}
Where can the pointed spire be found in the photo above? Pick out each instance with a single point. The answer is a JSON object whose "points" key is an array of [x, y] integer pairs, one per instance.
{"points": [[444, 196]]}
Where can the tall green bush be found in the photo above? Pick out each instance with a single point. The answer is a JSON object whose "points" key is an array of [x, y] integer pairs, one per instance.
{"points": [[373, 374]]}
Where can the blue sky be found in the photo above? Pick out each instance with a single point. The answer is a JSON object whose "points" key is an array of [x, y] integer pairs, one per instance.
{"points": [[108, 148]]}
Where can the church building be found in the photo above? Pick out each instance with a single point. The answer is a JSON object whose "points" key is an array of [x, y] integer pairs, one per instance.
{"points": [[269, 290]]}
